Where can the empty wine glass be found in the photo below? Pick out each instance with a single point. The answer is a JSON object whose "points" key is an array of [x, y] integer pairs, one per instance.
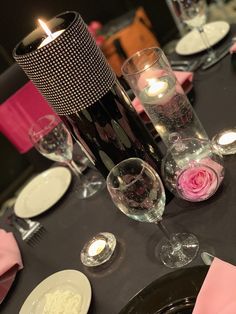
{"points": [[193, 13], [137, 190], [52, 139]]}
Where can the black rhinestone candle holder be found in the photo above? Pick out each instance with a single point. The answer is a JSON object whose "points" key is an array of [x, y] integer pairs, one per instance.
{"points": [[73, 75], [62, 69]]}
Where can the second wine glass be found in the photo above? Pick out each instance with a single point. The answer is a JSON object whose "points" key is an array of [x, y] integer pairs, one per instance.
{"points": [[194, 14], [51, 138], [137, 190]]}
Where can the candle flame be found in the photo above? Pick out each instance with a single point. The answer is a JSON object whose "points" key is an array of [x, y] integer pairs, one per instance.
{"points": [[45, 28]]}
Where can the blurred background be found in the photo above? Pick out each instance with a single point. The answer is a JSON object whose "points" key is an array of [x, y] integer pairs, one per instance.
{"points": [[121, 27]]}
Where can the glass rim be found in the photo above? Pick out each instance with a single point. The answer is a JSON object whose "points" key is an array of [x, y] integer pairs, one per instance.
{"points": [[184, 140], [136, 177], [139, 53], [53, 118], [187, 139]]}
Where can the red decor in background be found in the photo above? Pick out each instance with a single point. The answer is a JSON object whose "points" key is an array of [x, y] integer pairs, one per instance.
{"points": [[94, 28], [18, 113]]}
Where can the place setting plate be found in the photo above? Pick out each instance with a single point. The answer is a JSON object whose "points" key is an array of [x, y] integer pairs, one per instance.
{"points": [[174, 293], [70, 286], [42, 192], [192, 42]]}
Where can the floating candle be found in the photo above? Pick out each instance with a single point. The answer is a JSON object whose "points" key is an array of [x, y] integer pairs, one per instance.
{"points": [[156, 88]]}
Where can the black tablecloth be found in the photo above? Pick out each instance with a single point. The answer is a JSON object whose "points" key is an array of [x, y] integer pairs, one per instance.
{"points": [[72, 222]]}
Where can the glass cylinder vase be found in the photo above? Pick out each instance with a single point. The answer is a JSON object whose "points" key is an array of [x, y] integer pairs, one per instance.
{"points": [[150, 76]]}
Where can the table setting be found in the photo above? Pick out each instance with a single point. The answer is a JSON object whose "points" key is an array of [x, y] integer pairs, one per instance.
{"points": [[140, 224]]}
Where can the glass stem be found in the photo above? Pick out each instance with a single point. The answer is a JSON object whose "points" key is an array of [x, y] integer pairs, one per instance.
{"points": [[210, 51], [74, 168], [163, 229], [176, 245]]}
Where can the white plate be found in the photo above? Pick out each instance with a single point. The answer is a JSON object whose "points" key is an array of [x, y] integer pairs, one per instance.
{"points": [[71, 280], [192, 42], [42, 192]]}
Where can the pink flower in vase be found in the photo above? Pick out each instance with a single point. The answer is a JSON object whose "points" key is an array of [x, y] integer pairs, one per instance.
{"points": [[197, 183]]}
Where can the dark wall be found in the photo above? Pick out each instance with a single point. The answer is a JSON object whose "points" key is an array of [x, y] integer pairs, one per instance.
{"points": [[19, 17]]}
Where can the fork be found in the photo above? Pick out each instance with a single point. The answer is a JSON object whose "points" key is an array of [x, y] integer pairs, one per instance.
{"points": [[31, 232]]}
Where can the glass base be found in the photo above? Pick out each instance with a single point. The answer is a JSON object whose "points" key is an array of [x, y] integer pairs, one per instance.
{"points": [[182, 253], [98, 250], [89, 183]]}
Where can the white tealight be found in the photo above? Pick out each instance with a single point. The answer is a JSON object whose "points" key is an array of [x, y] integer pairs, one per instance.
{"points": [[225, 141], [227, 138], [157, 88], [98, 250], [96, 247]]}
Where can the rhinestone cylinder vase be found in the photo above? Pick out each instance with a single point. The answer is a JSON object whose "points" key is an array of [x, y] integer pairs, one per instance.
{"points": [[72, 74]]}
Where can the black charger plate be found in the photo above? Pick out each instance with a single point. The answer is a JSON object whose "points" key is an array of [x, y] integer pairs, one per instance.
{"points": [[174, 293]]}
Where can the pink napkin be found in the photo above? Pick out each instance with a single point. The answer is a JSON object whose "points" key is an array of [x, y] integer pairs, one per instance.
{"points": [[233, 48], [218, 292], [10, 261], [18, 113], [185, 80]]}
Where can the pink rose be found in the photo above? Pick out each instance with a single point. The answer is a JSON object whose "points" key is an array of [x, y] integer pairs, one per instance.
{"points": [[197, 183]]}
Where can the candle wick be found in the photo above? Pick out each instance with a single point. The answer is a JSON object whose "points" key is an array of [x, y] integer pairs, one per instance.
{"points": [[45, 28]]}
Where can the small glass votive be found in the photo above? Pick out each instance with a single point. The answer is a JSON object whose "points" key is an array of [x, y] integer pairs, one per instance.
{"points": [[98, 250], [225, 141]]}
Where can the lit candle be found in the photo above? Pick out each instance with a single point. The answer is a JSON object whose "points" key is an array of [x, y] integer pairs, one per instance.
{"points": [[96, 247], [158, 91], [50, 36], [156, 88], [227, 138]]}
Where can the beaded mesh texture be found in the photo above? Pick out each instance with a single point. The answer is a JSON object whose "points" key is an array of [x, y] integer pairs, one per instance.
{"points": [[71, 72]]}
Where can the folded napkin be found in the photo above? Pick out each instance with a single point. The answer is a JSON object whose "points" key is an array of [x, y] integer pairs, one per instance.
{"points": [[185, 80], [232, 49], [218, 292], [10, 261]]}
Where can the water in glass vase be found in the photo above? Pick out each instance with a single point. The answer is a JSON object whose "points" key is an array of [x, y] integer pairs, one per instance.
{"points": [[142, 197], [170, 111]]}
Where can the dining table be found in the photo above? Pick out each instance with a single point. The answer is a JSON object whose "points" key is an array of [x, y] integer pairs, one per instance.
{"points": [[71, 222]]}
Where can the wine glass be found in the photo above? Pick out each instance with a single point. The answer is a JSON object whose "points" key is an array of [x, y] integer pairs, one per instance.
{"points": [[193, 13], [52, 139], [137, 190]]}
